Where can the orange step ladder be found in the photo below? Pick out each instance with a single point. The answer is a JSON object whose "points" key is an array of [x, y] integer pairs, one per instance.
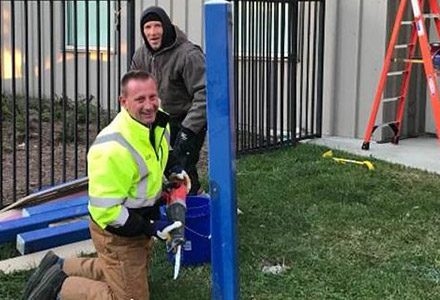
{"points": [[418, 34]]}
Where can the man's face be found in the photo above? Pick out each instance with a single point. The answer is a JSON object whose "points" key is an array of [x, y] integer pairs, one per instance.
{"points": [[140, 99], [153, 31]]}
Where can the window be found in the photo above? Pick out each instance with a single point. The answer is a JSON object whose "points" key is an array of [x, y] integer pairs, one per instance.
{"points": [[80, 27]]}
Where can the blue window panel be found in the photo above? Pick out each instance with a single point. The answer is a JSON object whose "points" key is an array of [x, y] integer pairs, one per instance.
{"points": [[81, 24]]}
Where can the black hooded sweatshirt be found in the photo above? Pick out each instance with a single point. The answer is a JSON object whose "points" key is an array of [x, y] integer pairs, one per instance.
{"points": [[179, 68]]}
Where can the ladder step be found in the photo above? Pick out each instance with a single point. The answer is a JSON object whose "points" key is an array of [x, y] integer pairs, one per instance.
{"points": [[396, 73], [431, 16], [392, 124], [392, 99], [407, 22], [403, 46], [409, 60]]}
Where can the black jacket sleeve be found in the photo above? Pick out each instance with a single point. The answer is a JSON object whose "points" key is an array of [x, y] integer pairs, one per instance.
{"points": [[134, 226]]}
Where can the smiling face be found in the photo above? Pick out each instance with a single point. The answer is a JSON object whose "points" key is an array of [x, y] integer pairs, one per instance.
{"points": [[140, 99], [153, 32]]}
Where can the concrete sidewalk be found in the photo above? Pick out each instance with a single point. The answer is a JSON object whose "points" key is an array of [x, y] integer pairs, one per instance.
{"points": [[421, 153]]}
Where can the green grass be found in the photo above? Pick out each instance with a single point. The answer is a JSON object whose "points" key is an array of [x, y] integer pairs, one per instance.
{"points": [[342, 231]]}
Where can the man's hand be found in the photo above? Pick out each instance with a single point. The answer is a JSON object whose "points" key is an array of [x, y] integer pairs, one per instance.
{"points": [[184, 145], [163, 229], [179, 176]]}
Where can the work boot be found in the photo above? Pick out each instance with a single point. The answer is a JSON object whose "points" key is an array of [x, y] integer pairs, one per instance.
{"points": [[48, 261], [50, 284]]}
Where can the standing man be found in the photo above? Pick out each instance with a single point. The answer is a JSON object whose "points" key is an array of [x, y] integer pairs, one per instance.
{"points": [[179, 67], [126, 164]]}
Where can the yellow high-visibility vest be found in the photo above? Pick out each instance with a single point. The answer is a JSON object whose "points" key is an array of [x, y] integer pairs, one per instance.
{"points": [[125, 170]]}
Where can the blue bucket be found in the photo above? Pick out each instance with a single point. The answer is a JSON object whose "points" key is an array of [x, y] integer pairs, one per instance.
{"points": [[197, 248]]}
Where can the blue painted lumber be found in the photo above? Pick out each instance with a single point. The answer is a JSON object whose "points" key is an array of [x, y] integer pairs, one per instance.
{"points": [[221, 126], [55, 205], [46, 238], [9, 229]]}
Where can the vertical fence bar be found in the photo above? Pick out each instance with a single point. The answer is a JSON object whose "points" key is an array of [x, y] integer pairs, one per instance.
{"points": [[247, 75], [320, 68], [236, 67], [275, 62], [301, 66], [131, 29], [307, 97], [40, 106], [290, 58], [313, 92], [64, 97], [13, 108], [1, 107], [221, 146], [52, 97], [108, 61], [75, 83], [119, 50], [26, 72], [186, 16], [261, 75], [268, 74], [282, 70], [253, 75], [86, 8], [98, 69], [294, 64], [242, 106]]}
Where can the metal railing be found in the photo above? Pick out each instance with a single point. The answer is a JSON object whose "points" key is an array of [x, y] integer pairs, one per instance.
{"points": [[60, 63], [278, 53]]}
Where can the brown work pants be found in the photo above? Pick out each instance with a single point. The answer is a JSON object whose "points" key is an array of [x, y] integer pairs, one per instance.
{"points": [[119, 272]]}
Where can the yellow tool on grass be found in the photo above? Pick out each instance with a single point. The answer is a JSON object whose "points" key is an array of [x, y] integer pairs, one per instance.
{"points": [[366, 163]]}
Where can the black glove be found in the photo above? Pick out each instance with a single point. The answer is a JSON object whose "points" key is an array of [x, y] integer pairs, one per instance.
{"points": [[137, 225], [184, 145]]}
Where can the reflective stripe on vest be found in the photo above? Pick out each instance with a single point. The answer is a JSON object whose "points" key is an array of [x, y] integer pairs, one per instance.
{"points": [[122, 218], [167, 137], [142, 199]]}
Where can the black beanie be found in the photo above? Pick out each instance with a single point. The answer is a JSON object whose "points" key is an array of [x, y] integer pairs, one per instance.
{"points": [[152, 16]]}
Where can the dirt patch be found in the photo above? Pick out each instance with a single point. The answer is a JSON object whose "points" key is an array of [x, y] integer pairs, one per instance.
{"points": [[43, 163]]}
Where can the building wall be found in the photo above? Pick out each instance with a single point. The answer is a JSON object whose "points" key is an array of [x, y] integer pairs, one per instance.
{"points": [[357, 34], [354, 50]]}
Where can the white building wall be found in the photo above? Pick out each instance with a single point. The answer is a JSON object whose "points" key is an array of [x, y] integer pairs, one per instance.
{"points": [[355, 41]]}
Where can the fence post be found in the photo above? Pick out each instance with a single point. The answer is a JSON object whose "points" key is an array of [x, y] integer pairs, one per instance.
{"points": [[131, 30], [221, 125]]}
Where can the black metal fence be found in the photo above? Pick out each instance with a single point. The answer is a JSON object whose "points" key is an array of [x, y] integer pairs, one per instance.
{"points": [[60, 64], [61, 61], [279, 69]]}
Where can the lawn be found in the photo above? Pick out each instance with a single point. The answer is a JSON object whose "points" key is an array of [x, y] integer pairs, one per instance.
{"points": [[341, 231]]}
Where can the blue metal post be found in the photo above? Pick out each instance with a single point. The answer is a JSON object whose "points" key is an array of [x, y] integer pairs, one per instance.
{"points": [[221, 131]]}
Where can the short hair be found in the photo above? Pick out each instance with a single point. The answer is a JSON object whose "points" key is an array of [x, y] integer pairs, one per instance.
{"points": [[134, 75]]}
